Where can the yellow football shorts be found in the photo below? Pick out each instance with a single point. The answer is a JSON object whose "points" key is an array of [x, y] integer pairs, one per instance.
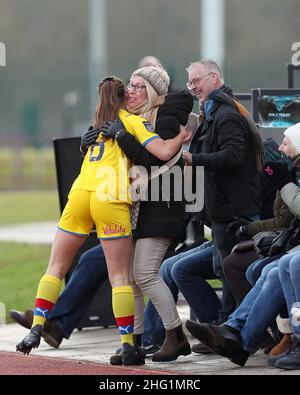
{"points": [[83, 210]]}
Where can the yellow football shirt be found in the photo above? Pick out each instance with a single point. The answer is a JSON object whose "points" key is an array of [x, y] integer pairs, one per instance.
{"points": [[105, 167]]}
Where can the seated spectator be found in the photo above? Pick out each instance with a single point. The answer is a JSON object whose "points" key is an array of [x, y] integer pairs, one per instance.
{"points": [[289, 274], [236, 264], [246, 328]]}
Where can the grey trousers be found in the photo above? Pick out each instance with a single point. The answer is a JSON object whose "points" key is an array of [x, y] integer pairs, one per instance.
{"points": [[148, 256]]}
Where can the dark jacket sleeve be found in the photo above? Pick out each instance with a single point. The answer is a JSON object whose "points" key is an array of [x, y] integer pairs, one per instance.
{"points": [[282, 218], [174, 111], [232, 140]]}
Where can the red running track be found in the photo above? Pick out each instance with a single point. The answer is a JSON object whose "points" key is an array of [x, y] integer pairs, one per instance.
{"points": [[19, 364]]}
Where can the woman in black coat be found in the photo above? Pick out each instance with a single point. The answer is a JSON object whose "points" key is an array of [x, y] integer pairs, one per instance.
{"points": [[160, 220]]}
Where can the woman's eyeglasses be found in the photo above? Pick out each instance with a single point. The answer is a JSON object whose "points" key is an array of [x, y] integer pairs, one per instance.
{"points": [[136, 88]]}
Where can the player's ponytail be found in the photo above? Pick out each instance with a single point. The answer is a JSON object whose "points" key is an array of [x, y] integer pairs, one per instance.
{"points": [[112, 97]]}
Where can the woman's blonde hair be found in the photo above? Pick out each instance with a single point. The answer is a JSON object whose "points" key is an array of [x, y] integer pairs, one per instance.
{"points": [[149, 102], [112, 97]]}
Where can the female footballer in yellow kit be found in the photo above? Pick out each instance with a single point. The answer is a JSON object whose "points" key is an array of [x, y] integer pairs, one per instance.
{"points": [[100, 195]]}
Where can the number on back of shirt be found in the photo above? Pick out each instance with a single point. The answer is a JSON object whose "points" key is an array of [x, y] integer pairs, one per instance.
{"points": [[96, 152]]}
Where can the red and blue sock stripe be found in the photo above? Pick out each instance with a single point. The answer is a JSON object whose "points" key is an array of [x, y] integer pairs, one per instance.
{"points": [[42, 307], [125, 324]]}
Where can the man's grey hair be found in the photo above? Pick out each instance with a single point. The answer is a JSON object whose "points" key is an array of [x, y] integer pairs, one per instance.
{"points": [[210, 65]]}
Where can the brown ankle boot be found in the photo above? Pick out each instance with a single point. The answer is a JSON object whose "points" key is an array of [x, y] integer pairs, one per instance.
{"points": [[175, 344], [283, 346]]}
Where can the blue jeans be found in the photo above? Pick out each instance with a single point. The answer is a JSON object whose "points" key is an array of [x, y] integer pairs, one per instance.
{"points": [[259, 308], [185, 272], [85, 280], [289, 274], [254, 270]]}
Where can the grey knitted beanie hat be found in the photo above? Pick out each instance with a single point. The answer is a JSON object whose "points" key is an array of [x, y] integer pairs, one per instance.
{"points": [[157, 77]]}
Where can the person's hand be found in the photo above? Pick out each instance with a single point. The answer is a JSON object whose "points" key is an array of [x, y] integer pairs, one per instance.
{"points": [[88, 139], [238, 229], [187, 157], [278, 173], [111, 129]]}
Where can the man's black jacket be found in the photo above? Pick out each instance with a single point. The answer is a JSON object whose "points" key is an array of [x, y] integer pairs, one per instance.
{"points": [[222, 144]]}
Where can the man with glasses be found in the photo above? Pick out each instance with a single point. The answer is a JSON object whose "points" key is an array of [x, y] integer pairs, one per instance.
{"points": [[226, 144]]}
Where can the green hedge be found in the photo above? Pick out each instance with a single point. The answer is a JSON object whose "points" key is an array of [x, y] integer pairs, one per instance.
{"points": [[27, 168], [21, 267]]}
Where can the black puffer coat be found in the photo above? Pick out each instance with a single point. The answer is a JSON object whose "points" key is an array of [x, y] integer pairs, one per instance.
{"points": [[161, 218]]}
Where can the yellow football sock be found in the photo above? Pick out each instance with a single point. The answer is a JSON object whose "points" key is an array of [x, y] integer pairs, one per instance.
{"points": [[123, 308], [46, 297]]}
